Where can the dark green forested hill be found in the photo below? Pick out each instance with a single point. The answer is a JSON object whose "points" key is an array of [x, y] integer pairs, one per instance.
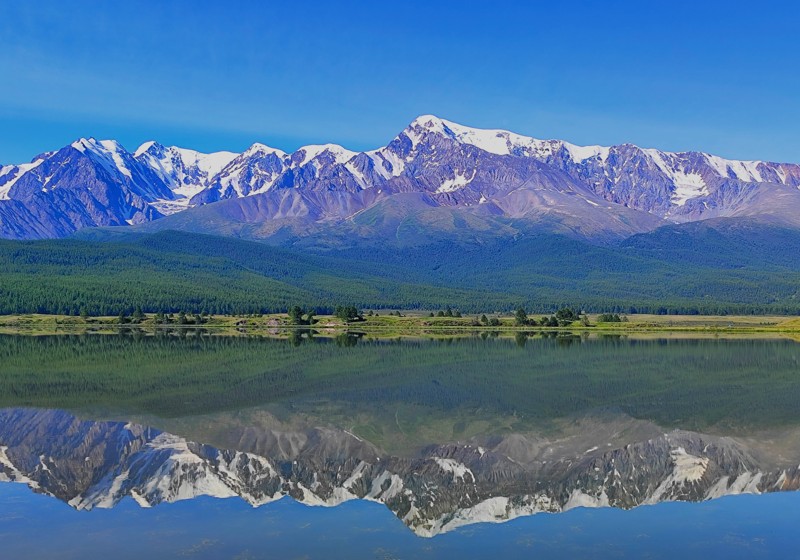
{"points": [[175, 271], [664, 272]]}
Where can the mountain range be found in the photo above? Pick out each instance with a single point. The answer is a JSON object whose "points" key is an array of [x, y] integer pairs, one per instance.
{"points": [[436, 179], [90, 464]]}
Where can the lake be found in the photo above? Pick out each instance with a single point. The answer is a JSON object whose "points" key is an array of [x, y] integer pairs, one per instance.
{"points": [[547, 444]]}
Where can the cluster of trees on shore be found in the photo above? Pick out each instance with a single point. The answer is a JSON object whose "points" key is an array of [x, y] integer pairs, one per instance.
{"points": [[307, 316], [564, 317], [301, 316], [447, 312], [611, 318], [160, 318], [348, 313], [486, 322]]}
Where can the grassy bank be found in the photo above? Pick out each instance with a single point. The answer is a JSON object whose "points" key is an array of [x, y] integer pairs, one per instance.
{"points": [[406, 323]]}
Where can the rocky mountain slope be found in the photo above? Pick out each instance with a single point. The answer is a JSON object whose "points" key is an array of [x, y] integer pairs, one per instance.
{"points": [[434, 176], [96, 464]]}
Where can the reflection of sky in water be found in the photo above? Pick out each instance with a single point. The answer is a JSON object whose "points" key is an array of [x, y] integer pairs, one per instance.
{"points": [[35, 526]]}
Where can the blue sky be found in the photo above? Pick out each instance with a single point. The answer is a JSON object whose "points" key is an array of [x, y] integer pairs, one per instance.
{"points": [[715, 76]]}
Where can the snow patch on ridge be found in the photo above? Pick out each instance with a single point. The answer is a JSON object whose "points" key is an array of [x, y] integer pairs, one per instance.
{"points": [[687, 469], [742, 170], [504, 142], [144, 148], [357, 175], [112, 149], [745, 483], [459, 471], [458, 181], [383, 157], [581, 499], [498, 509], [688, 185], [582, 153], [377, 492], [15, 474], [10, 174], [107, 152]]}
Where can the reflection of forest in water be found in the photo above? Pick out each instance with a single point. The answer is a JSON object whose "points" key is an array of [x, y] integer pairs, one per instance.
{"points": [[687, 383], [438, 430]]}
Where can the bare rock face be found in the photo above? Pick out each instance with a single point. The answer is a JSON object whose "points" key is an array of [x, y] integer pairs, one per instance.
{"points": [[95, 464], [490, 181]]}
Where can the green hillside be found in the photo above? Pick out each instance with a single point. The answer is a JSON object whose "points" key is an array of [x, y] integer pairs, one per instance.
{"points": [[176, 271], [172, 271]]}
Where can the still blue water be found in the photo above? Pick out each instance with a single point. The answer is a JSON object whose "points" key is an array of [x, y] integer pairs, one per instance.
{"points": [[35, 526], [549, 412]]}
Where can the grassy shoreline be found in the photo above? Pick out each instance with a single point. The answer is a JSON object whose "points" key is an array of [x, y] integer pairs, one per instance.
{"points": [[410, 323]]}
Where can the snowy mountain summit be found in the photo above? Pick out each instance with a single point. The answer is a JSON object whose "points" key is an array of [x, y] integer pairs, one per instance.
{"points": [[435, 167]]}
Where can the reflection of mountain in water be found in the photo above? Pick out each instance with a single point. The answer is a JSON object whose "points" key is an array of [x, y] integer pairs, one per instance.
{"points": [[96, 464]]}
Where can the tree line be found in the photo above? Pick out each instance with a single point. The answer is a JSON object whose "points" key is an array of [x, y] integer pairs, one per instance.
{"points": [[198, 274]]}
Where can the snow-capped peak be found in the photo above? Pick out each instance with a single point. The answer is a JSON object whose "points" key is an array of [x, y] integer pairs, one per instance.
{"points": [[110, 153], [149, 146], [504, 142], [112, 148], [186, 172], [210, 163], [258, 149], [431, 122], [582, 153], [501, 142], [431, 155], [313, 151], [83, 144]]}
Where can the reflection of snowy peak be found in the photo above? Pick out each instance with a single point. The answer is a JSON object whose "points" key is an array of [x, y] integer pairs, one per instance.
{"points": [[96, 464], [589, 190]]}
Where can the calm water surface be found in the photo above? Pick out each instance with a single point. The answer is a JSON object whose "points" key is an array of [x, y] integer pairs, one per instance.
{"points": [[546, 446]]}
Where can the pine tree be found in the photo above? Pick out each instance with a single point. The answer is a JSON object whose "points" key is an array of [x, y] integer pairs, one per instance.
{"points": [[138, 316], [296, 315]]}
